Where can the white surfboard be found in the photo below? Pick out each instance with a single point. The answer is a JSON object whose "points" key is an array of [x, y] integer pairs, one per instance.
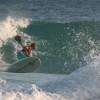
{"points": [[26, 65]]}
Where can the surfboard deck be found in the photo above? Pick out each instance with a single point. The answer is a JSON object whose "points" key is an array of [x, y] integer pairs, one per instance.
{"points": [[27, 65]]}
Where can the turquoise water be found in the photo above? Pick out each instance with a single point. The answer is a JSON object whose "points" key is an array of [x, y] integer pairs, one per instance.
{"points": [[62, 47], [65, 45]]}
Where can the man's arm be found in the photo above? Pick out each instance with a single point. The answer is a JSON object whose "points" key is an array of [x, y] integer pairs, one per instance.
{"points": [[19, 40]]}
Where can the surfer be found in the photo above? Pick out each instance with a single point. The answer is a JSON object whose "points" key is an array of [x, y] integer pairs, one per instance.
{"points": [[26, 50]]}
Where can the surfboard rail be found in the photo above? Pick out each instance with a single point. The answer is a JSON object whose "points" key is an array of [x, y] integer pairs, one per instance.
{"points": [[26, 65]]}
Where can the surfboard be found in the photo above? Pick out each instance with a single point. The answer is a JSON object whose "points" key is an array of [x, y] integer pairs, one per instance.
{"points": [[26, 65]]}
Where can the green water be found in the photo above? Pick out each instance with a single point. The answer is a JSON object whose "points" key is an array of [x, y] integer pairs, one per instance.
{"points": [[64, 47]]}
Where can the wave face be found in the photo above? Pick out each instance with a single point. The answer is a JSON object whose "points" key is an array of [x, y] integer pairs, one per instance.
{"points": [[62, 47], [65, 47]]}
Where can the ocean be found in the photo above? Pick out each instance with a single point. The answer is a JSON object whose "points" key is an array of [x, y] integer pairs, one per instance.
{"points": [[68, 43]]}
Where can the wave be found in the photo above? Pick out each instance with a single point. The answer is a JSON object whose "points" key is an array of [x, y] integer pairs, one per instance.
{"points": [[66, 46], [8, 29], [62, 47]]}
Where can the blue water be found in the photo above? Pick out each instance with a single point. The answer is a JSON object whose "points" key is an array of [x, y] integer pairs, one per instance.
{"points": [[67, 36]]}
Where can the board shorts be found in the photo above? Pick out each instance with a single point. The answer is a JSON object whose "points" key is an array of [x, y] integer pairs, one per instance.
{"points": [[20, 55]]}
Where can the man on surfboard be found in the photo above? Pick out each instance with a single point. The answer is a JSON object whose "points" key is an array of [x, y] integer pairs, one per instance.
{"points": [[26, 50]]}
